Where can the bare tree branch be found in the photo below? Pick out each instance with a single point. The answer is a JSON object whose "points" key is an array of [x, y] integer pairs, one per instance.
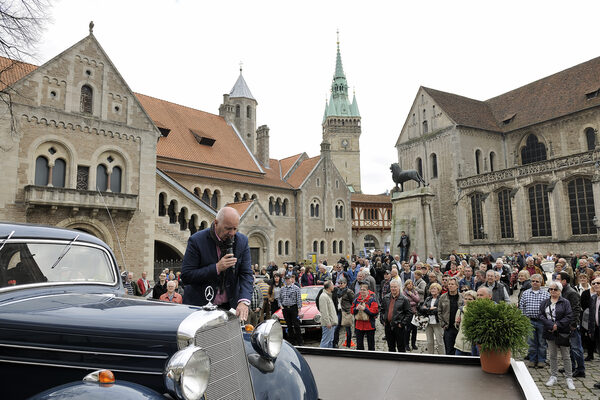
{"points": [[21, 25]]}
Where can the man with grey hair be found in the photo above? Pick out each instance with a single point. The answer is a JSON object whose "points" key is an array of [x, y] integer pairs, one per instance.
{"points": [[218, 258], [499, 292], [530, 302], [329, 317], [484, 292], [395, 316], [370, 280]]}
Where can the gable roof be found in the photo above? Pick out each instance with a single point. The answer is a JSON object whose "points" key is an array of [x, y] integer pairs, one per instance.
{"points": [[11, 71], [288, 162], [571, 90], [240, 206], [187, 125], [302, 171]]}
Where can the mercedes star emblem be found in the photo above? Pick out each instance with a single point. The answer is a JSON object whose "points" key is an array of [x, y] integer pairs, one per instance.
{"points": [[209, 293]]}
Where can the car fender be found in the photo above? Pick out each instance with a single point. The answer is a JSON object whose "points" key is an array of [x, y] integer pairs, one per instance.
{"points": [[275, 380], [121, 390]]}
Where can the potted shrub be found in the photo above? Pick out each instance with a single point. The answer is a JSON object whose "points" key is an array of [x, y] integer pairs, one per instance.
{"points": [[499, 330]]}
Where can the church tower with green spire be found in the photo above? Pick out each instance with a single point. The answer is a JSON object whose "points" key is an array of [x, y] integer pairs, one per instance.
{"points": [[341, 127]]}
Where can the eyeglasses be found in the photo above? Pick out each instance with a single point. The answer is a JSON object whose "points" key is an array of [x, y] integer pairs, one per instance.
{"points": [[595, 283], [552, 289], [536, 281]]}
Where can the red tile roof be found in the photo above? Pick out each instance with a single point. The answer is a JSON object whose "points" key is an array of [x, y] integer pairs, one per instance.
{"points": [[302, 171], [173, 168], [371, 198], [554, 96], [11, 71], [227, 151], [240, 206], [287, 163]]}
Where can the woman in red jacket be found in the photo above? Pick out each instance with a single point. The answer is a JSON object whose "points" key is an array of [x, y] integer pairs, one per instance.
{"points": [[365, 309]]}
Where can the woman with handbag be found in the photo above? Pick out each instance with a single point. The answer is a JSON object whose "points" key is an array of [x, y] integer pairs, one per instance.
{"points": [[555, 314], [433, 331], [345, 299], [365, 309]]}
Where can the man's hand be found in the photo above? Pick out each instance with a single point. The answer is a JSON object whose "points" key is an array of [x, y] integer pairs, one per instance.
{"points": [[329, 326], [242, 311], [226, 262]]}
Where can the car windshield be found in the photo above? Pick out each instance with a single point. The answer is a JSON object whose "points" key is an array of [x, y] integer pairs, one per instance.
{"points": [[25, 263], [309, 293]]}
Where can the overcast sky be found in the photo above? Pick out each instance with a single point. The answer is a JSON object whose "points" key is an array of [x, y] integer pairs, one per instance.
{"points": [[188, 52]]}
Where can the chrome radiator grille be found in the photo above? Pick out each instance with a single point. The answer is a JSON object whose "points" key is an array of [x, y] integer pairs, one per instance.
{"points": [[229, 376]]}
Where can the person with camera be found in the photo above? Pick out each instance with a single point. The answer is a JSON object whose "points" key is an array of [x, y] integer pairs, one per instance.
{"points": [[217, 265]]}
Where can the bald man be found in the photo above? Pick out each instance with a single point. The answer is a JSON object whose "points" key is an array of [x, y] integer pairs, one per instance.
{"points": [[219, 257]]}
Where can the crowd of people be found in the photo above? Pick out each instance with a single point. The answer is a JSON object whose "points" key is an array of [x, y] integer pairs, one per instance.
{"points": [[407, 295]]}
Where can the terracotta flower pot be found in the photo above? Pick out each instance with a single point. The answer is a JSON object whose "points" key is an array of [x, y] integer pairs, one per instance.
{"points": [[495, 362]]}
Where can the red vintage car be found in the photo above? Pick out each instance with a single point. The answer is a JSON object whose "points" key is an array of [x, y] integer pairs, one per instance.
{"points": [[310, 317]]}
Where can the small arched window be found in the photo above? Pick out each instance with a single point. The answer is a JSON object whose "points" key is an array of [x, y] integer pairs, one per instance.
{"points": [[419, 166], [87, 99], [58, 173], [287, 247], [102, 178], [115, 180], [341, 246], [434, 168], [492, 161], [478, 161], [248, 112], [590, 137], [206, 196], [280, 247], [334, 247], [315, 246], [237, 111], [322, 247], [162, 209], [42, 171], [214, 200], [272, 206], [284, 207]]}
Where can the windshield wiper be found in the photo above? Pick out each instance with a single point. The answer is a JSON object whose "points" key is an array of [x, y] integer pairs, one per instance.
{"points": [[6, 240], [64, 252]]}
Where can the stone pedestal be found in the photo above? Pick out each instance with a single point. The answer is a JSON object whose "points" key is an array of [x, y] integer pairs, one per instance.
{"points": [[411, 213]]}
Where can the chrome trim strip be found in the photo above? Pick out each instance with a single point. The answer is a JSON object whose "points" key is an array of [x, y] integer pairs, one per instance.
{"points": [[78, 367], [80, 351], [53, 295]]}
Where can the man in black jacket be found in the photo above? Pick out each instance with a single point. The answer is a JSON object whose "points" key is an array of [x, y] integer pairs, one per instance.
{"points": [[395, 316], [404, 245], [576, 350]]}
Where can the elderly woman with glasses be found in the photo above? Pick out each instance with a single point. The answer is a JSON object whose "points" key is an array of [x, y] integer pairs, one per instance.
{"points": [[555, 314]]}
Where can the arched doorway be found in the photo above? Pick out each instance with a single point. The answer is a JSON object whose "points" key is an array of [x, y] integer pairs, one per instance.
{"points": [[370, 243], [258, 245], [165, 256]]}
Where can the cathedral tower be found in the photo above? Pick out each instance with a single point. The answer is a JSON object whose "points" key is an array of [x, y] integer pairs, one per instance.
{"points": [[239, 108], [341, 128]]}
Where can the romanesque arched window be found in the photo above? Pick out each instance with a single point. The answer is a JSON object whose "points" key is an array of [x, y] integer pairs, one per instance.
{"points": [[287, 247], [280, 247], [322, 247], [540, 210], [182, 219], [237, 111], [492, 161], [478, 168], [271, 206], [206, 196], [87, 99], [533, 151], [115, 180], [420, 166], [476, 216], [171, 211], [505, 214], [248, 112], [433, 162], [334, 246], [284, 207], [42, 171], [315, 246], [590, 137], [214, 200], [162, 208], [278, 207], [193, 223], [341, 246], [102, 177], [581, 205]]}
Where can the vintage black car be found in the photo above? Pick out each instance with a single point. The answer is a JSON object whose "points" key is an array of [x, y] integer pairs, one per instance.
{"points": [[64, 317]]}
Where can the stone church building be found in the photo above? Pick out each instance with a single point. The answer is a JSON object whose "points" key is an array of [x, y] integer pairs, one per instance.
{"points": [[517, 171], [81, 150]]}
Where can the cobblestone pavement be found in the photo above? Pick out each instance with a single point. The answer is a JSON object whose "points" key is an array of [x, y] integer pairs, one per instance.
{"points": [[584, 386]]}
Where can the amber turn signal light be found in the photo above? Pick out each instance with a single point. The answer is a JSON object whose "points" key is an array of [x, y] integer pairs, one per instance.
{"points": [[249, 328], [106, 376]]}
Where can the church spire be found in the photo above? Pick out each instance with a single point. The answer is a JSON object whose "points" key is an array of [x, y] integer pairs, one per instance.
{"points": [[339, 103]]}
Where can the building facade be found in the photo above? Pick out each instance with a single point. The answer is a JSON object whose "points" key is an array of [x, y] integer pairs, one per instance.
{"points": [[518, 171], [82, 151]]}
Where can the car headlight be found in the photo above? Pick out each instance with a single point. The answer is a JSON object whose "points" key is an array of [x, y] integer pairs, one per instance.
{"points": [[267, 339], [187, 373], [317, 319]]}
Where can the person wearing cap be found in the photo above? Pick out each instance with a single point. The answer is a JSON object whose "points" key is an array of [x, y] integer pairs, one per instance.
{"points": [[290, 300]]}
